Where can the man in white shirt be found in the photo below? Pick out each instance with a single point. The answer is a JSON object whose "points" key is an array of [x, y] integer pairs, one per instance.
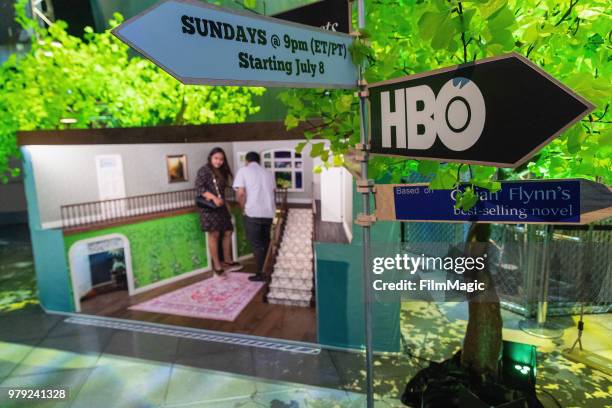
{"points": [[255, 193]]}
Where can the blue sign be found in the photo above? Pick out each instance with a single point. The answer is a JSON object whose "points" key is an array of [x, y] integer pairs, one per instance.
{"points": [[199, 43], [516, 202]]}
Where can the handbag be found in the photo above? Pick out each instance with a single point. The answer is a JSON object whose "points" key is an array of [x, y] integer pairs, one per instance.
{"points": [[210, 205]]}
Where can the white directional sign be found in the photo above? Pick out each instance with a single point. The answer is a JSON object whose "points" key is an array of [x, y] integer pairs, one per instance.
{"points": [[199, 43]]}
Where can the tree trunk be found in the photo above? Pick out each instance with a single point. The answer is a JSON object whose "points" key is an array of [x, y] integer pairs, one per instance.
{"points": [[483, 337]]}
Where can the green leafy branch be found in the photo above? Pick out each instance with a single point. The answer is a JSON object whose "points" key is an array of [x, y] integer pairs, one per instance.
{"points": [[571, 41], [95, 83]]}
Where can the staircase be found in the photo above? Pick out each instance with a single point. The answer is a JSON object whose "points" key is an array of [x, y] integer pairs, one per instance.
{"points": [[292, 279]]}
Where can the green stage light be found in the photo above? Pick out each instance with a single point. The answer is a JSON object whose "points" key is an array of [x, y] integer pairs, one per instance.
{"points": [[522, 369], [518, 366]]}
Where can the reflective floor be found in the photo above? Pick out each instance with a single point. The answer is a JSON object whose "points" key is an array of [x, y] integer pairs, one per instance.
{"points": [[109, 367], [119, 368], [435, 330]]}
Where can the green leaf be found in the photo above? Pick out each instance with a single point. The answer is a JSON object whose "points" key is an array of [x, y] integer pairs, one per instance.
{"points": [[489, 8], [503, 37], [605, 138], [317, 149], [359, 51], [531, 33], [250, 4], [338, 160], [490, 185], [444, 34], [300, 146], [429, 22], [291, 121], [324, 156], [458, 199], [468, 198], [343, 103], [464, 23], [502, 18], [427, 167], [495, 186], [444, 180], [575, 138]]}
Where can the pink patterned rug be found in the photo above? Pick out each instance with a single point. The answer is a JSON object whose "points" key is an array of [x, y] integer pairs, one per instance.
{"points": [[213, 298]]}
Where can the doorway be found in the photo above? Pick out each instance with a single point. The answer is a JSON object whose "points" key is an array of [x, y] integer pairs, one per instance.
{"points": [[100, 266]]}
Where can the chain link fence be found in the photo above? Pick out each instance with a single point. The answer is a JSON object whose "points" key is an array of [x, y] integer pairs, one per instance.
{"points": [[578, 260]]}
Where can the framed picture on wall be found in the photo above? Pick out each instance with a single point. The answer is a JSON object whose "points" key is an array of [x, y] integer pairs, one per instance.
{"points": [[177, 168], [240, 160]]}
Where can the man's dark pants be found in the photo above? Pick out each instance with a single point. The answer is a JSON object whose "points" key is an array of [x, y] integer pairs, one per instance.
{"points": [[258, 234]]}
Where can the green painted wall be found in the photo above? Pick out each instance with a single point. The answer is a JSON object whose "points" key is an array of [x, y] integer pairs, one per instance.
{"points": [[162, 248], [178, 245]]}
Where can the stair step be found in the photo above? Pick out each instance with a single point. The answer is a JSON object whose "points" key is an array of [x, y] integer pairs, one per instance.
{"points": [[282, 282], [293, 264], [297, 230], [296, 246], [290, 294], [289, 251], [286, 302], [293, 273], [297, 256]]}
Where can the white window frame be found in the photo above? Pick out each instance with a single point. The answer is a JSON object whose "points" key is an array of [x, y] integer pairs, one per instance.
{"points": [[292, 169]]}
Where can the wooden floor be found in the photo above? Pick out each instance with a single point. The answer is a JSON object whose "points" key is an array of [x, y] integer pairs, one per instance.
{"points": [[332, 232], [258, 318]]}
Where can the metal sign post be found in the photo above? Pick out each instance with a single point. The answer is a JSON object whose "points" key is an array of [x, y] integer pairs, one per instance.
{"points": [[365, 219]]}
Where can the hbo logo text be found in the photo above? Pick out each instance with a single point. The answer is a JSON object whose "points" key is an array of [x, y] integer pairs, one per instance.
{"points": [[456, 116]]}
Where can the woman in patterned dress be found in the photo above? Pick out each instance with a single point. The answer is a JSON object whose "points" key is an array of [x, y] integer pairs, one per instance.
{"points": [[210, 183]]}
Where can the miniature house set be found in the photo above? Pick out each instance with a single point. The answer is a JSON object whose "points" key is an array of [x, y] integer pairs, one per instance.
{"points": [[113, 221]]}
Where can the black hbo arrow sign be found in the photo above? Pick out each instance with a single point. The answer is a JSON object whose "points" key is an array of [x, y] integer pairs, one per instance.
{"points": [[497, 111]]}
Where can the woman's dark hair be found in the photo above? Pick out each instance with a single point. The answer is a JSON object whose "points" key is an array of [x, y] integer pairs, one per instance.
{"points": [[224, 171]]}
